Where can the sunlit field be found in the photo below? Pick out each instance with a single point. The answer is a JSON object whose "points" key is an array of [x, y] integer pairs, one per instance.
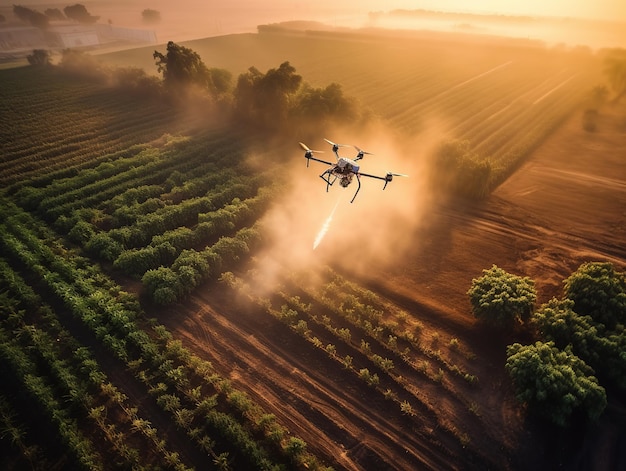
{"points": [[179, 290]]}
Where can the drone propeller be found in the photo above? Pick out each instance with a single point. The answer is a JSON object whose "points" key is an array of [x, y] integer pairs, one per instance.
{"points": [[390, 176], [335, 146], [361, 153], [309, 152], [304, 146]]}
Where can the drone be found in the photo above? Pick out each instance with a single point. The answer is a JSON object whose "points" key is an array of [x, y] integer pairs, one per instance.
{"points": [[345, 169]]}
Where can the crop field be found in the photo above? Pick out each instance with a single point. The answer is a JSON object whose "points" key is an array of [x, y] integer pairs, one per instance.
{"points": [[138, 329], [503, 96]]}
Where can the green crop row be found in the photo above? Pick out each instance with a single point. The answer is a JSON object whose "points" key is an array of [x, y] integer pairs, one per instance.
{"points": [[112, 319]]}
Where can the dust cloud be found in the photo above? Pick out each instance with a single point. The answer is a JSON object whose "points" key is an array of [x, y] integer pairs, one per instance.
{"points": [[309, 227]]}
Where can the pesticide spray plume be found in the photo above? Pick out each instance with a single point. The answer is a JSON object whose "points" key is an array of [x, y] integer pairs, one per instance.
{"points": [[325, 227], [375, 232]]}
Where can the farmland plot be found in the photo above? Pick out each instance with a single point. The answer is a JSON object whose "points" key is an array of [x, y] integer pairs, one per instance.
{"points": [[143, 191], [79, 335], [503, 96]]}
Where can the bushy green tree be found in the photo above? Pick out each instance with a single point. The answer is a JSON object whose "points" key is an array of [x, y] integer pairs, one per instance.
{"points": [[555, 382], [602, 349], [266, 97], [33, 17], [182, 67], [615, 69], [324, 103], [81, 232], [501, 298], [151, 16], [460, 170], [79, 13], [101, 245], [54, 14], [39, 58], [599, 291], [163, 285], [557, 322]]}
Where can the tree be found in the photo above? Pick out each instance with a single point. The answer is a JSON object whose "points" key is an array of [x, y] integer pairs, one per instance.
{"points": [[323, 103], [615, 70], [554, 382], [603, 350], [265, 98], [33, 17], [460, 170], [599, 95], [54, 14], [501, 298], [151, 16], [599, 291], [590, 120], [182, 67], [557, 322], [103, 246], [295, 447], [79, 13], [163, 285], [39, 58]]}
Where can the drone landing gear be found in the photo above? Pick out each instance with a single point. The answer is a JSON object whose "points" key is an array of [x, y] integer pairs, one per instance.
{"points": [[326, 176], [358, 180]]}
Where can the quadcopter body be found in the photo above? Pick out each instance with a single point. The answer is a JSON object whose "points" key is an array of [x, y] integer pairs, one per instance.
{"points": [[344, 169]]}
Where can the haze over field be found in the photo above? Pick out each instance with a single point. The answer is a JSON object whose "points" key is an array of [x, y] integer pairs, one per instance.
{"points": [[570, 21]]}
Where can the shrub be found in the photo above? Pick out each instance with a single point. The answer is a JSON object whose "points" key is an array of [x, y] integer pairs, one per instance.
{"points": [[556, 382], [599, 291], [501, 298]]}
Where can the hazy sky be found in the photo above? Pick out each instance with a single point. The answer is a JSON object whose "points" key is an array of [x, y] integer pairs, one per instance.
{"points": [[606, 9]]}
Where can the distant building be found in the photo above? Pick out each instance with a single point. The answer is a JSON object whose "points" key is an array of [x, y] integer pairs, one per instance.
{"points": [[15, 38], [72, 35], [69, 35], [116, 33]]}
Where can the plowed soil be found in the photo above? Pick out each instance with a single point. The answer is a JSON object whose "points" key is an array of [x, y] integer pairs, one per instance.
{"points": [[566, 205]]}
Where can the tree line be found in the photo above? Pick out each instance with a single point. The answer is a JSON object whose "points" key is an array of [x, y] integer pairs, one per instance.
{"points": [[76, 12], [278, 99], [267, 100]]}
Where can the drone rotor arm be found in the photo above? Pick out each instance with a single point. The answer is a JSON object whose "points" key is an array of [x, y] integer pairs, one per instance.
{"points": [[319, 160], [387, 178], [371, 176]]}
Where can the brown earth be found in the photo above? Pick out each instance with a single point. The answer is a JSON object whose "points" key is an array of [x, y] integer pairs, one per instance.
{"points": [[565, 206]]}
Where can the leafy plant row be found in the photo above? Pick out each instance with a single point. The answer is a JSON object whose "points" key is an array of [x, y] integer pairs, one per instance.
{"points": [[181, 383], [108, 122], [363, 360]]}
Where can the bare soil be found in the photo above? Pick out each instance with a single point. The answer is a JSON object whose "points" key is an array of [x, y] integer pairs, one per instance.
{"points": [[565, 206]]}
